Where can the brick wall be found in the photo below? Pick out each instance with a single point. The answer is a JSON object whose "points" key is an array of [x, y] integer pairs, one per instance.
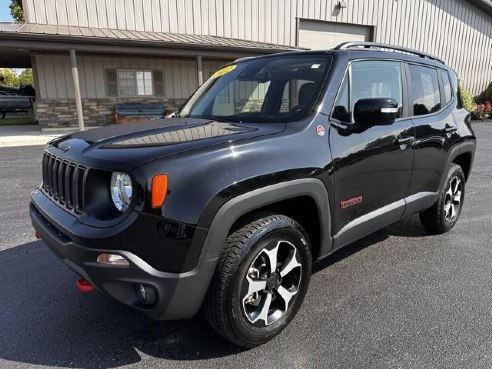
{"points": [[56, 113]]}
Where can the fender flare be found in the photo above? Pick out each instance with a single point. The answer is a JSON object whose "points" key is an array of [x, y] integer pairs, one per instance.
{"points": [[467, 147], [240, 205]]}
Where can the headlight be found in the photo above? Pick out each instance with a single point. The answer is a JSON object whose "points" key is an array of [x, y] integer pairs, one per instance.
{"points": [[121, 190]]}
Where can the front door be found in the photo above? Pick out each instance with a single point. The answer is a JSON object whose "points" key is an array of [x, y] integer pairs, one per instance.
{"points": [[372, 165]]}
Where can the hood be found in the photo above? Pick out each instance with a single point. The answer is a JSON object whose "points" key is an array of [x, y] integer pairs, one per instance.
{"points": [[125, 146]]}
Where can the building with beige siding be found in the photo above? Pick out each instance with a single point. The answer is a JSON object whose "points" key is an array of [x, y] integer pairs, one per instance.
{"points": [[162, 50]]}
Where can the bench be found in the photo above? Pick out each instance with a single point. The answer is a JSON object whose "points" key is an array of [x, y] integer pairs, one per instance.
{"points": [[132, 112]]}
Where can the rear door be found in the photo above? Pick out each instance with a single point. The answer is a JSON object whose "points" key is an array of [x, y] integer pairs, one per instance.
{"points": [[372, 166], [430, 97]]}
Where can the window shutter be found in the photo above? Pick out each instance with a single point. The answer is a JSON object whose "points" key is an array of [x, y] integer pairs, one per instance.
{"points": [[158, 83], [111, 82]]}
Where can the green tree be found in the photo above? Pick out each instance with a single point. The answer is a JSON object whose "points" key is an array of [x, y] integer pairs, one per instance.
{"points": [[8, 78], [16, 10], [25, 78]]}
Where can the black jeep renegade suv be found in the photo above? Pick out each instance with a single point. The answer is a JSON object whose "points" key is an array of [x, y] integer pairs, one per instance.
{"points": [[273, 163]]}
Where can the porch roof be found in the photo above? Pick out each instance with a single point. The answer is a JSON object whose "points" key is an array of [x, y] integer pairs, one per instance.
{"points": [[45, 37]]}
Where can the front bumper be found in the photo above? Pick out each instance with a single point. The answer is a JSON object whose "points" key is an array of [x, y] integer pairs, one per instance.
{"points": [[179, 295]]}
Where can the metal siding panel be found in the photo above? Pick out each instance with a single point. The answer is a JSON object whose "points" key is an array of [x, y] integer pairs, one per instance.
{"points": [[29, 11], [111, 13], [168, 85], [40, 72], [164, 8], [197, 17], [219, 4], [72, 15], [261, 21], [82, 13], [409, 32], [399, 25], [61, 12], [273, 24], [120, 14], [40, 9], [176, 78], [268, 15], [173, 16], [139, 15], [156, 16], [91, 13], [203, 9], [148, 15], [293, 22], [212, 18], [234, 17], [102, 14], [248, 11], [180, 8], [280, 26], [99, 77], [129, 15], [241, 19], [51, 16], [67, 71], [90, 79], [227, 19]]}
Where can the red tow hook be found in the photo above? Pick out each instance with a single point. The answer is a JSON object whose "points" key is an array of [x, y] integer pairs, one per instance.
{"points": [[83, 285]]}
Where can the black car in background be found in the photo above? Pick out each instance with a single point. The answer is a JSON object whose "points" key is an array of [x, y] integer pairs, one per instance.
{"points": [[272, 164]]}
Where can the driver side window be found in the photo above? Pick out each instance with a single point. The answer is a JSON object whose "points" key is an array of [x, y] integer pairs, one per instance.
{"points": [[368, 79]]}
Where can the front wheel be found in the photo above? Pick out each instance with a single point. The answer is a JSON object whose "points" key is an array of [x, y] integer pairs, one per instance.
{"points": [[444, 214], [260, 281]]}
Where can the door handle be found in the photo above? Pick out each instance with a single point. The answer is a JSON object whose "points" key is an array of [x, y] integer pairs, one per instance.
{"points": [[450, 129], [405, 140]]}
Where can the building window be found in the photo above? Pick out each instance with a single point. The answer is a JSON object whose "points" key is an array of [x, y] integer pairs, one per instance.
{"points": [[130, 82]]}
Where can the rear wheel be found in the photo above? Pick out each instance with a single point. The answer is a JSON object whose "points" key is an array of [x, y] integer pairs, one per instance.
{"points": [[260, 281], [444, 214]]}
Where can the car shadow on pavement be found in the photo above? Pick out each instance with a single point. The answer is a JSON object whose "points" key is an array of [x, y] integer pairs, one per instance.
{"points": [[44, 320], [407, 227]]}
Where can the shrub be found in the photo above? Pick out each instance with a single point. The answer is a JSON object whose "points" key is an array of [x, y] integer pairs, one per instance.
{"points": [[483, 111], [466, 99]]}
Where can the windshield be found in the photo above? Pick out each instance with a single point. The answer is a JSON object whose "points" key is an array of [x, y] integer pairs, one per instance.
{"points": [[274, 89]]}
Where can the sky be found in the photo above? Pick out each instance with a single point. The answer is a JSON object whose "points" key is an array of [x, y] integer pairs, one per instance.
{"points": [[5, 11]]}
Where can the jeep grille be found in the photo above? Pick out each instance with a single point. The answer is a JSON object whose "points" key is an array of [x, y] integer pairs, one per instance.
{"points": [[64, 182]]}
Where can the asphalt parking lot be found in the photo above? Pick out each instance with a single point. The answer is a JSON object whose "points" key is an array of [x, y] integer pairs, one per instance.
{"points": [[396, 299]]}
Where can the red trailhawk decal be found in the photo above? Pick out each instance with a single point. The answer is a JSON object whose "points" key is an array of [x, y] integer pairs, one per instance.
{"points": [[346, 203]]}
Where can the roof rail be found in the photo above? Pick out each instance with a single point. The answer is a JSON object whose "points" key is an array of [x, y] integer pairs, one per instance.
{"points": [[377, 45]]}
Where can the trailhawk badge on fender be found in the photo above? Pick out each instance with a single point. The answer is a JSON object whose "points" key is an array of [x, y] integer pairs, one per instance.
{"points": [[320, 130]]}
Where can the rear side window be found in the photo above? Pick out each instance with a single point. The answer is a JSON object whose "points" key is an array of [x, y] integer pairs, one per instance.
{"points": [[446, 85], [424, 90]]}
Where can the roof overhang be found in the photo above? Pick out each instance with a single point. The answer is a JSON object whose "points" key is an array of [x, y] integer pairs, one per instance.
{"points": [[17, 40]]}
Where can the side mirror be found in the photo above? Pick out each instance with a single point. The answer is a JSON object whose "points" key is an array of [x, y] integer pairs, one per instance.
{"points": [[375, 111]]}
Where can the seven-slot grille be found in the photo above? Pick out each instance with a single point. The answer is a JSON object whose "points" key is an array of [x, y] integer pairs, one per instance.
{"points": [[64, 182]]}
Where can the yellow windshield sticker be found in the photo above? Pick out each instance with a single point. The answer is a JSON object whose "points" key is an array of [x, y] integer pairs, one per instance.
{"points": [[223, 71]]}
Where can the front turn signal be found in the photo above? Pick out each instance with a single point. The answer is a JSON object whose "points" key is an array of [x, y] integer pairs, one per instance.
{"points": [[159, 190]]}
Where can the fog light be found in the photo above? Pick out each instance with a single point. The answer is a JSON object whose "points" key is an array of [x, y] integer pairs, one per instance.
{"points": [[112, 259], [146, 294]]}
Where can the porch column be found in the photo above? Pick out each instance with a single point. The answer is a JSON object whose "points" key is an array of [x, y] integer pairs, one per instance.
{"points": [[199, 69], [76, 87]]}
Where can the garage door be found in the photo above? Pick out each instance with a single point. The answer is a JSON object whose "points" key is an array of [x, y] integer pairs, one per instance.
{"points": [[326, 35]]}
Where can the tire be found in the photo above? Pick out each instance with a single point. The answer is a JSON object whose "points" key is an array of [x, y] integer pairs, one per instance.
{"points": [[232, 307], [443, 215]]}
